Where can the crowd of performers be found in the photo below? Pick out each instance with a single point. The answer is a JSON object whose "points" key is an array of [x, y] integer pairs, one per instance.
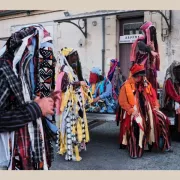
{"points": [[39, 107]]}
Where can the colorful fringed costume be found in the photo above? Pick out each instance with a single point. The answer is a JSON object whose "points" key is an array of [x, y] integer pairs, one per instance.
{"points": [[101, 88], [147, 43], [116, 78], [70, 110], [171, 97], [28, 64], [151, 126]]}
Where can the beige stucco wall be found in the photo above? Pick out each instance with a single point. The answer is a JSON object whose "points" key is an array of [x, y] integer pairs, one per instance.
{"points": [[169, 49], [91, 50], [110, 40], [66, 34]]}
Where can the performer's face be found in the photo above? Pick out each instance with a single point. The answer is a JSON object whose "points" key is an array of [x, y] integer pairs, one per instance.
{"points": [[72, 60], [138, 79], [93, 79]]}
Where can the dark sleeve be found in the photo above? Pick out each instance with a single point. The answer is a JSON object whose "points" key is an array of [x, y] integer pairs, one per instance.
{"points": [[17, 118], [65, 82], [11, 120], [143, 47], [76, 84], [170, 91]]}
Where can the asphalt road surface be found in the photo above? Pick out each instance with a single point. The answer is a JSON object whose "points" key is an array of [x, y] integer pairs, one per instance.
{"points": [[103, 153]]}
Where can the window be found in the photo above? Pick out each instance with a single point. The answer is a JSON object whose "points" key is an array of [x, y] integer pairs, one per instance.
{"points": [[132, 28]]}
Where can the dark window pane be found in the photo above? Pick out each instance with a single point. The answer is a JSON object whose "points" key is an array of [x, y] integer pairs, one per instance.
{"points": [[132, 28]]}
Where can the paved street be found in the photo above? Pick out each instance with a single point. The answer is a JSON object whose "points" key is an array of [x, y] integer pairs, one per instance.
{"points": [[103, 154]]}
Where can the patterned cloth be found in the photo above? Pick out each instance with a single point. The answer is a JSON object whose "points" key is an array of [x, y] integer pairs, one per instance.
{"points": [[171, 98], [101, 87], [106, 104], [29, 53], [117, 81], [147, 43], [169, 75], [150, 128], [112, 69], [72, 120], [22, 151], [15, 118], [10, 84]]}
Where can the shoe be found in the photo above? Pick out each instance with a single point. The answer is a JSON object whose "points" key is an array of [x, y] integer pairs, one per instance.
{"points": [[135, 157], [122, 146], [169, 150]]}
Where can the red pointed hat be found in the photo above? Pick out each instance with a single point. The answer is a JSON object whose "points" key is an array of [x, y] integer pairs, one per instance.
{"points": [[137, 68]]}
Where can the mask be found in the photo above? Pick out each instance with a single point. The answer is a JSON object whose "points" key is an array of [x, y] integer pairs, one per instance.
{"points": [[74, 65], [93, 78]]}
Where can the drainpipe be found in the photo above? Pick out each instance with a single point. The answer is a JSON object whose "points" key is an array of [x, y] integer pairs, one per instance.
{"points": [[103, 45]]}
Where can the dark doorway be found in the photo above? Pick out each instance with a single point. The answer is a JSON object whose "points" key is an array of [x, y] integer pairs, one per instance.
{"points": [[128, 26]]}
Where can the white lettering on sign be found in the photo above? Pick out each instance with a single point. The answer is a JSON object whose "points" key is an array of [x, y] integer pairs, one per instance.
{"points": [[129, 38]]}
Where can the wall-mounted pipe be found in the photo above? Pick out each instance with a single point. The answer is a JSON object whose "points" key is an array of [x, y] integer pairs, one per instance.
{"points": [[170, 20], [103, 45]]}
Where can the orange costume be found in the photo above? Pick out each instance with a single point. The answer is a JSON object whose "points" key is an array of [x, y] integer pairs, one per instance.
{"points": [[150, 126]]}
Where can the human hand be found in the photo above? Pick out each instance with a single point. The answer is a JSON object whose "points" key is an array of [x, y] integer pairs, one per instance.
{"points": [[178, 111], [151, 45], [55, 95], [154, 54], [96, 99], [46, 105], [83, 83]]}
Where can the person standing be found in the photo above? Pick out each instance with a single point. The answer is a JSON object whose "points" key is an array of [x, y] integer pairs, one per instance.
{"points": [[145, 51], [115, 77], [101, 89], [26, 79], [171, 97], [70, 109]]}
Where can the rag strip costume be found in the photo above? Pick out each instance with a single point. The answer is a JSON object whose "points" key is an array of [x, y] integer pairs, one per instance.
{"points": [[115, 77], [117, 80], [70, 110], [27, 70], [147, 43], [171, 97], [151, 126], [101, 88]]}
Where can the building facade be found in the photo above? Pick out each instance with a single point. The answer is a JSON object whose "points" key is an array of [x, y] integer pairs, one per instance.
{"points": [[107, 36]]}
